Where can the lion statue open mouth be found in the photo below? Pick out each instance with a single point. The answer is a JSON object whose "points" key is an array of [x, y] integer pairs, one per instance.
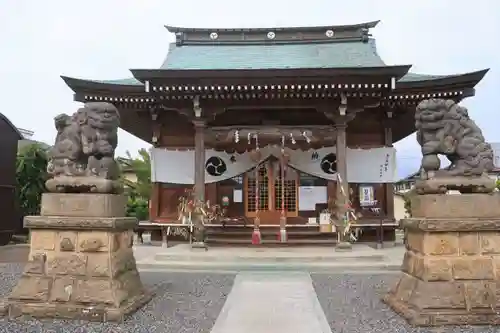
{"points": [[444, 128], [83, 156]]}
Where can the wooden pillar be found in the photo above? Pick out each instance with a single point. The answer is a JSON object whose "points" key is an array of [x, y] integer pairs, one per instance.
{"points": [[199, 159], [283, 165], [341, 147], [256, 236], [389, 187], [154, 202], [343, 187]]}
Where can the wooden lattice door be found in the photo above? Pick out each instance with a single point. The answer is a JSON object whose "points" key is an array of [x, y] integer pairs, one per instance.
{"points": [[285, 190], [264, 202], [270, 195]]}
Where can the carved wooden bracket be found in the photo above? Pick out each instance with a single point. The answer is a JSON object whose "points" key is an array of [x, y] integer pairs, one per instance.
{"points": [[198, 111], [343, 113], [206, 114]]}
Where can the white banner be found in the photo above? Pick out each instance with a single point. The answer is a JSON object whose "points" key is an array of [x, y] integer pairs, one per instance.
{"points": [[376, 165]]}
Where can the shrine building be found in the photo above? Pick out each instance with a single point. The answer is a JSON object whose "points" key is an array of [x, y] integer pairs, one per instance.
{"points": [[266, 121]]}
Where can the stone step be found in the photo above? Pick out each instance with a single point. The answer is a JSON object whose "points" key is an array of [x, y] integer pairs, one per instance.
{"points": [[317, 267], [336, 257]]}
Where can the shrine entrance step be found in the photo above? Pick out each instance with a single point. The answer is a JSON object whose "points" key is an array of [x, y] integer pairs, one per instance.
{"points": [[247, 258]]}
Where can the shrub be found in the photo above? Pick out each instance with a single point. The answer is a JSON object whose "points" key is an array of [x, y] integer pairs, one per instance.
{"points": [[138, 208]]}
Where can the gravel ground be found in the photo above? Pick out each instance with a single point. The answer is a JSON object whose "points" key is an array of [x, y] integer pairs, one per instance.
{"points": [[352, 304], [191, 302], [185, 302]]}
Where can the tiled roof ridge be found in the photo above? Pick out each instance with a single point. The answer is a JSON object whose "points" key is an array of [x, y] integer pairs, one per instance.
{"points": [[365, 25]]}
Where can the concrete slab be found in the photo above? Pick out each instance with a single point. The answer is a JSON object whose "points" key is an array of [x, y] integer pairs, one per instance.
{"points": [[272, 303], [234, 260], [183, 252]]}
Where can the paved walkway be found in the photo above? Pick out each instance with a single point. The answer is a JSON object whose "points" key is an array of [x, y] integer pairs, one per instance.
{"points": [[15, 253], [272, 303]]}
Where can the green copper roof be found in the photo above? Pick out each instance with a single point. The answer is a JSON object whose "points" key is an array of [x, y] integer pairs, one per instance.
{"points": [[273, 56], [131, 81], [413, 77], [214, 56]]}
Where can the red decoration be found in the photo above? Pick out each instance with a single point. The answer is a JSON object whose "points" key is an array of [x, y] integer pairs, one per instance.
{"points": [[256, 240]]}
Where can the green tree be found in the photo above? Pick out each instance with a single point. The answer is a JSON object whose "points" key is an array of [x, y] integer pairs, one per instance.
{"points": [[407, 198], [141, 168], [31, 174], [139, 189]]}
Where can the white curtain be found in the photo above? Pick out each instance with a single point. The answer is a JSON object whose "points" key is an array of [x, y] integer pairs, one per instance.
{"points": [[376, 165]]}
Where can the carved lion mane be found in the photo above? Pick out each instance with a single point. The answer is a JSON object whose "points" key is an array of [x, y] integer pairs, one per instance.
{"points": [[444, 127], [85, 145]]}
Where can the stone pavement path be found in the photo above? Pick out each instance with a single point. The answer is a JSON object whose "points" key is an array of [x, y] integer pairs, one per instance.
{"points": [[14, 253], [274, 303]]}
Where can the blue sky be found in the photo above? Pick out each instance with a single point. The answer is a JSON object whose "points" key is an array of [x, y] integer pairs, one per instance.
{"points": [[102, 39]]}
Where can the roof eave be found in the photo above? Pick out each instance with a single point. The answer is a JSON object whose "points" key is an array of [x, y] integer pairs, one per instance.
{"points": [[8, 122], [365, 25], [390, 71], [468, 79], [80, 84]]}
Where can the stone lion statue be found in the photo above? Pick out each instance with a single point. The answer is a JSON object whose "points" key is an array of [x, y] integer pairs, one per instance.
{"points": [[444, 128], [82, 158]]}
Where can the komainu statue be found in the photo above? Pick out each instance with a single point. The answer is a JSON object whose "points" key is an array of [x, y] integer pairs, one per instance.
{"points": [[444, 127], [82, 158]]}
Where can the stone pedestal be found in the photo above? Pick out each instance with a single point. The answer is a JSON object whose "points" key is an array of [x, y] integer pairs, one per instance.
{"points": [[81, 264], [451, 269]]}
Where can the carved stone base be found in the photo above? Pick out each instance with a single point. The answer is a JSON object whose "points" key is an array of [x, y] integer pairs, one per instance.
{"points": [[79, 267], [439, 206], [88, 205], [451, 269], [84, 184], [441, 185]]}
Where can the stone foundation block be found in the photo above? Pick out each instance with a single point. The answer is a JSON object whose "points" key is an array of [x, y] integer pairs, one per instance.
{"points": [[79, 270], [83, 205], [450, 272], [456, 206], [73, 223]]}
